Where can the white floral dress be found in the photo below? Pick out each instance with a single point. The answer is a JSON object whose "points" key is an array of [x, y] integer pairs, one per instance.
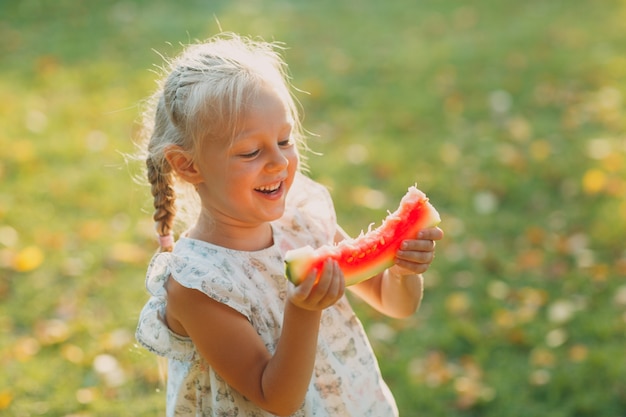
{"points": [[346, 380]]}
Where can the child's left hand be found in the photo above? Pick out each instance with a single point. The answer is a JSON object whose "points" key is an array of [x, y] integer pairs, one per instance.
{"points": [[416, 255]]}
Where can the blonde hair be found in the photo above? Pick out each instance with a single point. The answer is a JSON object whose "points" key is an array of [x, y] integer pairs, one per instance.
{"points": [[202, 97]]}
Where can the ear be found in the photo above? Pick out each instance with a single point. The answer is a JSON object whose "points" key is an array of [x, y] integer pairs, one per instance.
{"points": [[183, 164]]}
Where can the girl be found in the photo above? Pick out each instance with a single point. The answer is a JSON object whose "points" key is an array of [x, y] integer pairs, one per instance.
{"points": [[239, 338]]}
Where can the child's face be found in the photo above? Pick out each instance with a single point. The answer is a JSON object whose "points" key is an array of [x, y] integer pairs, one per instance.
{"points": [[245, 182]]}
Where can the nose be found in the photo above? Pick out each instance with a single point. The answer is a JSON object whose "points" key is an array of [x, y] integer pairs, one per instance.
{"points": [[277, 160]]}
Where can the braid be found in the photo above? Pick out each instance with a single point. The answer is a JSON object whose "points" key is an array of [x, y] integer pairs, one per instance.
{"points": [[204, 97], [173, 98], [160, 177]]}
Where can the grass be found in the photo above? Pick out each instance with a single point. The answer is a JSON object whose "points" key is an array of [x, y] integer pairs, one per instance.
{"points": [[509, 115]]}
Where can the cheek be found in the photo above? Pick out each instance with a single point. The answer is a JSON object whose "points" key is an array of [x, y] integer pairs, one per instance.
{"points": [[292, 167], [294, 160]]}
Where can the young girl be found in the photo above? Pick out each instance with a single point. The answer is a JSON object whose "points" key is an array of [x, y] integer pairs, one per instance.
{"points": [[239, 338]]}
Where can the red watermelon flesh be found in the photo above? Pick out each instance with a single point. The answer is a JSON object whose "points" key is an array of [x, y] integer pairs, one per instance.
{"points": [[364, 257]]}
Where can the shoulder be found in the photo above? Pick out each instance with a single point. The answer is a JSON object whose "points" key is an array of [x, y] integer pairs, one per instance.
{"points": [[193, 262], [186, 306], [206, 272]]}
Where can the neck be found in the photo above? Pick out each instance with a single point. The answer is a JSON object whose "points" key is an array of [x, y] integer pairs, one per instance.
{"points": [[247, 238]]}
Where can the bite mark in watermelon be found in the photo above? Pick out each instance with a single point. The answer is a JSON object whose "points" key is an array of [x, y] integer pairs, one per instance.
{"points": [[373, 252]]}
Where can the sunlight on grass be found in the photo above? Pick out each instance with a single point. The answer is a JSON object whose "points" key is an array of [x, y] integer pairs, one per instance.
{"points": [[510, 116]]}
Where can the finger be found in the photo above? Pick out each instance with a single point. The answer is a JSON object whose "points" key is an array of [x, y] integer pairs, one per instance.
{"points": [[303, 290], [432, 233], [418, 251], [412, 267], [336, 289], [418, 257], [342, 282], [318, 292], [421, 245]]}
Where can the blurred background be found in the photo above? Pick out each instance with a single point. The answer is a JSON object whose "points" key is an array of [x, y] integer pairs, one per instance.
{"points": [[510, 116]]}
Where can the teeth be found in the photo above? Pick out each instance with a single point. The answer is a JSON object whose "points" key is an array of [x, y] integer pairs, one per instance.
{"points": [[269, 188]]}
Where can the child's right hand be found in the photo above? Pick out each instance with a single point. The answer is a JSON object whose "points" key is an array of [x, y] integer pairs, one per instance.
{"points": [[315, 296]]}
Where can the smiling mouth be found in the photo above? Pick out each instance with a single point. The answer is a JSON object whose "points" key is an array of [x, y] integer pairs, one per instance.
{"points": [[269, 189]]}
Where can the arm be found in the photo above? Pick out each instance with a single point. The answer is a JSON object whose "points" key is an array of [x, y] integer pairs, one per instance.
{"points": [[397, 291], [227, 341]]}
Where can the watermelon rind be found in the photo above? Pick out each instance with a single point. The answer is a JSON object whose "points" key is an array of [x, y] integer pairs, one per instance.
{"points": [[365, 256]]}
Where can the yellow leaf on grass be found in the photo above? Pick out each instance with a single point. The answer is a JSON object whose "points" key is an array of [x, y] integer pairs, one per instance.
{"points": [[540, 150], [28, 259], [22, 151], [92, 229], [52, 331], [458, 303], [594, 181], [72, 353], [542, 357], [530, 259], [5, 399], [128, 253], [578, 353], [614, 162], [25, 348]]}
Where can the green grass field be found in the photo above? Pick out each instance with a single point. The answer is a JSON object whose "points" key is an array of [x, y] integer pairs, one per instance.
{"points": [[509, 115]]}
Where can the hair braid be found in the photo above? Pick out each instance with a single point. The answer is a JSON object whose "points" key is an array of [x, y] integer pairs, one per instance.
{"points": [[161, 181], [173, 98], [202, 96]]}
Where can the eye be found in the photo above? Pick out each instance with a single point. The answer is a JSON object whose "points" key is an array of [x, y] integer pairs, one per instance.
{"points": [[250, 154], [285, 143]]}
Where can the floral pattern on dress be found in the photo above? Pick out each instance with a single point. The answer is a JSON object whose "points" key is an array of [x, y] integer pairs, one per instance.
{"points": [[346, 380]]}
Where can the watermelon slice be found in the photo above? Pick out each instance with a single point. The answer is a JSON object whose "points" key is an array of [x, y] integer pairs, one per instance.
{"points": [[372, 252]]}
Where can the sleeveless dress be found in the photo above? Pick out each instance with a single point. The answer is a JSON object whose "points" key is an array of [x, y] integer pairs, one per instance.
{"points": [[346, 380]]}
